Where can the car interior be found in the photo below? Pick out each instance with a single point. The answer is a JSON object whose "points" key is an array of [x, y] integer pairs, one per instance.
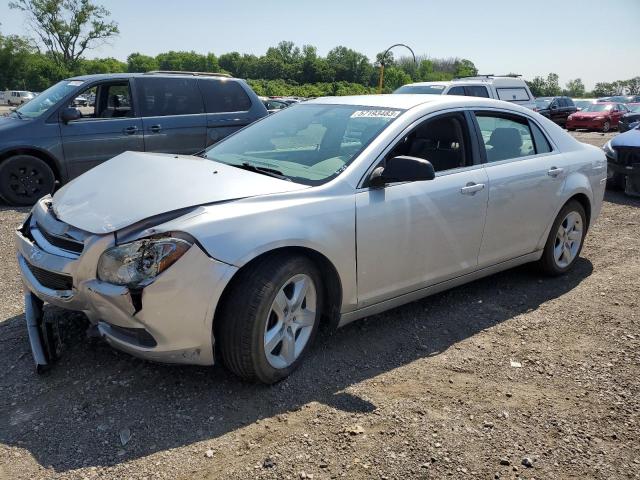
{"points": [[442, 141], [112, 100]]}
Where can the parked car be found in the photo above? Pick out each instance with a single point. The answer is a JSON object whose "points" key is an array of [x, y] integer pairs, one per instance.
{"points": [[597, 116], [555, 108], [630, 120], [273, 105], [17, 97], [329, 211], [80, 101], [623, 162], [621, 99], [49, 140], [581, 103], [509, 88]]}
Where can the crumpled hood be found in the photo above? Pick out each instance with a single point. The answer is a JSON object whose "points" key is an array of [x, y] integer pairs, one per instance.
{"points": [[134, 186]]}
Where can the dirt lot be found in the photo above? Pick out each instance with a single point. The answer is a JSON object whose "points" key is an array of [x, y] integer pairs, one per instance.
{"points": [[472, 383]]}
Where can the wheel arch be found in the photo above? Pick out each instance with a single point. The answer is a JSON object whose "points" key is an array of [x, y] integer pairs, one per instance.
{"points": [[332, 284], [46, 157]]}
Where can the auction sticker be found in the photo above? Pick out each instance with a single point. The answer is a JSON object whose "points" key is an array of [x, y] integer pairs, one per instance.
{"points": [[75, 83], [375, 114]]}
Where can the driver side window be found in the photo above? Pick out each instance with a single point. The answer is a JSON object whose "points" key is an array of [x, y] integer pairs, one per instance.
{"points": [[443, 141], [105, 100]]}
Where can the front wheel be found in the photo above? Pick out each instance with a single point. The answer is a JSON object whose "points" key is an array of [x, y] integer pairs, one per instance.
{"points": [[24, 179], [565, 240], [606, 126], [270, 318]]}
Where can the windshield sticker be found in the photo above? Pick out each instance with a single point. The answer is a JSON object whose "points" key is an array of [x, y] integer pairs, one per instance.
{"points": [[75, 83], [375, 114]]}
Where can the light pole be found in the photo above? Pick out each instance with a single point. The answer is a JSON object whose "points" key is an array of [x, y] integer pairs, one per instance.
{"points": [[381, 81]]}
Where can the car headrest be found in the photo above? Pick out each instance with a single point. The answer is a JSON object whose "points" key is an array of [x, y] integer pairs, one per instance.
{"points": [[505, 137]]}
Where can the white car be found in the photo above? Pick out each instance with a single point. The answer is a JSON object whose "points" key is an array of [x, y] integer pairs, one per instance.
{"points": [[17, 97], [508, 88], [332, 210]]}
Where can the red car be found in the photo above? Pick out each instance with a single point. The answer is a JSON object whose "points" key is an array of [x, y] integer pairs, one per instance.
{"points": [[597, 116]]}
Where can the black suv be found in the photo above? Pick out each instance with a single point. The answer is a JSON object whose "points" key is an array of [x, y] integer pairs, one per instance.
{"points": [[556, 108], [53, 139]]}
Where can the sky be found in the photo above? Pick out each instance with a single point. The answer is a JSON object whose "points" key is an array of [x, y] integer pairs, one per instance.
{"points": [[595, 40]]}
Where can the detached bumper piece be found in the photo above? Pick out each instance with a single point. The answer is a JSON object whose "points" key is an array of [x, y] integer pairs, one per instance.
{"points": [[44, 337]]}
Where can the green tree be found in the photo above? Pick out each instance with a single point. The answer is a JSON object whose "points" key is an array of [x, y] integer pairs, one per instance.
{"points": [[537, 86], [136, 62], [465, 68], [575, 88], [395, 77], [349, 65], [67, 28], [552, 85]]}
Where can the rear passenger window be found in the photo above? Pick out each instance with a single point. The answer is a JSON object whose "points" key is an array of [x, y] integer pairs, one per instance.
{"points": [[224, 96], [505, 137], [476, 91], [541, 143], [456, 91], [159, 97]]}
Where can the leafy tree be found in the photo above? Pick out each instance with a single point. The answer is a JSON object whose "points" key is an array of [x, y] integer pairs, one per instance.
{"points": [[349, 65], [136, 62], [603, 89], [395, 77], [537, 86], [552, 86], [575, 88], [465, 68], [67, 28]]}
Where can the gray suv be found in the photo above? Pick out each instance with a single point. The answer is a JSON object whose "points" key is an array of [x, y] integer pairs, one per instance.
{"points": [[53, 139]]}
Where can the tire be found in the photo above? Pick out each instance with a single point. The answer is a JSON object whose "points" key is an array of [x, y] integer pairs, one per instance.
{"points": [[253, 331], [552, 263], [606, 126], [571, 129], [24, 179]]}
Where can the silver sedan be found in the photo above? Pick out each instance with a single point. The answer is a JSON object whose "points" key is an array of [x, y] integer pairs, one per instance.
{"points": [[329, 211]]}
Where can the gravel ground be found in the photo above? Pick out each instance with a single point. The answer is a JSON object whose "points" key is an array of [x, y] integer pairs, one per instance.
{"points": [[513, 376]]}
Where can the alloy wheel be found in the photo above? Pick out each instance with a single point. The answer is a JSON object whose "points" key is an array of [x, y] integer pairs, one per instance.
{"points": [[290, 322], [568, 240]]}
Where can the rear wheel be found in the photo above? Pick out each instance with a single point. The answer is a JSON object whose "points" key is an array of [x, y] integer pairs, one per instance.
{"points": [[24, 179], [270, 318], [565, 240]]}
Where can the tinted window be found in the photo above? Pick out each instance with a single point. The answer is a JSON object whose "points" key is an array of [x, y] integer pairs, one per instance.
{"points": [[224, 96], [168, 96], [541, 143], [476, 91], [570, 103], [505, 137], [426, 89], [456, 91]]}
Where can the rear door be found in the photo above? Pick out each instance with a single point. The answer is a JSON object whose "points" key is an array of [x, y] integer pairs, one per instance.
{"points": [[227, 105], [107, 128], [525, 179], [173, 115]]}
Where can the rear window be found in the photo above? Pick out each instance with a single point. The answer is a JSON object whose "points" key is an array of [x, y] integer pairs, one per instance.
{"points": [[516, 94], [224, 96], [476, 91], [159, 97]]}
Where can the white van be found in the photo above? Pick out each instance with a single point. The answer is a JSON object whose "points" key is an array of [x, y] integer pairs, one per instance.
{"points": [[17, 97], [508, 88]]}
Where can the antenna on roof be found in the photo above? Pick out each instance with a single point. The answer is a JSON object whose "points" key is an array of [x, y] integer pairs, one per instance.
{"points": [[490, 75], [195, 74]]}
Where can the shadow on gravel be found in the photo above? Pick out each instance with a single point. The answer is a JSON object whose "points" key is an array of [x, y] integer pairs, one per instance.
{"points": [[71, 417], [620, 198]]}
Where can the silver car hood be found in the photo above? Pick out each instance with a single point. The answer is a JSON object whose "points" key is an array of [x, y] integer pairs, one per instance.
{"points": [[134, 186]]}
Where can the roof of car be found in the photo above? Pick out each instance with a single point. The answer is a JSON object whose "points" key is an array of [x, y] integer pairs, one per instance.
{"points": [[108, 76], [407, 101]]}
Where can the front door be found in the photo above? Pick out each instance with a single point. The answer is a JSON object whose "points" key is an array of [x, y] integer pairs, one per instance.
{"points": [[411, 235], [173, 114], [108, 127], [525, 180]]}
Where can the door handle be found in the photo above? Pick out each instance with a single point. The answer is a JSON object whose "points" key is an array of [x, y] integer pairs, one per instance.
{"points": [[155, 128], [555, 171], [471, 188], [130, 130]]}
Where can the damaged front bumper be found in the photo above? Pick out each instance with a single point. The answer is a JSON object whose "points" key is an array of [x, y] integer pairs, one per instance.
{"points": [[169, 320]]}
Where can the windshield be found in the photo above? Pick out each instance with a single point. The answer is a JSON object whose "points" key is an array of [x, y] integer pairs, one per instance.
{"points": [[48, 98], [306, 143], [542, 102], [428, 89], [634, 107], [597, 107]]}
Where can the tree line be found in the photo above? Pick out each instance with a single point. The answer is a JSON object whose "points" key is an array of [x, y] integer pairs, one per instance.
{"points": [[64, 30]]}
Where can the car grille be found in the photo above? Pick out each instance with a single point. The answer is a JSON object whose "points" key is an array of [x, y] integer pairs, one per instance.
{"points": [[61, 242], [627, 156], [52, 280]]}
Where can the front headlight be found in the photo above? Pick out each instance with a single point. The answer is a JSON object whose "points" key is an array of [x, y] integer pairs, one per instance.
{"points": [[599, 118], [609, 151], [136, 264], [570, 117]]}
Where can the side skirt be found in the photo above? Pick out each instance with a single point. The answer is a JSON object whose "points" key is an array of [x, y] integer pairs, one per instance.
{"points": [[436, 288]]}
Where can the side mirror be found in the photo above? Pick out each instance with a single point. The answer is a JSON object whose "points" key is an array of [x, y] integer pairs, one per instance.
{"points": [[402, 169], [554, 107], [70, 114]]}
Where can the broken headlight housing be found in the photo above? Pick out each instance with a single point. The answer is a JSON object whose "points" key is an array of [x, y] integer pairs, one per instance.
{"points": [[138, 263]]}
